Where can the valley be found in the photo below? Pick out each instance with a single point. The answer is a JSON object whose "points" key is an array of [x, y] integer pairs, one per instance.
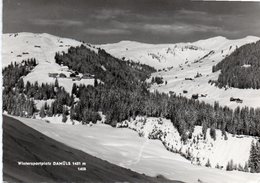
{"points": [[84, 86]]}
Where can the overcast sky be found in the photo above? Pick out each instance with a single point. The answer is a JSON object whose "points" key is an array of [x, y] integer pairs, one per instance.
{"points": [[151, 21]]}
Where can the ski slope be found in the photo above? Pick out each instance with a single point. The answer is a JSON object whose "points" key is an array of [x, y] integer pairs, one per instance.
{"points": [[125, 148], [175, 62], [21, 46]]}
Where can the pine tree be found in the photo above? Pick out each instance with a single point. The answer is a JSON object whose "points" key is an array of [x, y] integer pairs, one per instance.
{"points": [[95, 83], [74, 89], [42, 112], [56, 83], [20, 85], [50, 112], [240, 168], [213, 133], [27, 87], [36, 85], [64, 117], [31, 108], [208, 164], [246, 169], [217, 166], [204, 129], [254, 158], [153, 80], [230, 165], [72, 112]]}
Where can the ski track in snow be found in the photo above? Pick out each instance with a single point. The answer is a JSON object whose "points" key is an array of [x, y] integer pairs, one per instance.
{"points": [[137, 160], [118, 145], [219, 151]]}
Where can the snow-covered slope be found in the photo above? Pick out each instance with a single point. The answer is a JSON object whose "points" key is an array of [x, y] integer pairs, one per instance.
{"points": [[158, 56], [177, 63], [21, 46], [199, 150], [172, 55], [123, 147]]}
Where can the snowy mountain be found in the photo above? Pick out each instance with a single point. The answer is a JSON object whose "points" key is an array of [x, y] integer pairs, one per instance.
{"points": [[172, 55], [21, 46], [176, 63], [187, 67]]}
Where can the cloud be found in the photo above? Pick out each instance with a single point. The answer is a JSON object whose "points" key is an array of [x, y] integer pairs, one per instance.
{"points": [[109, 14], [57, 22], [174, 28], [123, 25], [181, 28], [191, 12], [110, 31]]}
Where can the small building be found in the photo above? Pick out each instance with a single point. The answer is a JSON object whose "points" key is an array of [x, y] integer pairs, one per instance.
{"points": [[195, 96], [238, 100], [62, 75], [72, 75], [189, 79], [87, 76], [53, 75]]}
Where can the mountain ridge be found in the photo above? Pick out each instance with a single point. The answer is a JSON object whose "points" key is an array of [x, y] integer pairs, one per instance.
{"points": [[209, 38], [172, 55]]}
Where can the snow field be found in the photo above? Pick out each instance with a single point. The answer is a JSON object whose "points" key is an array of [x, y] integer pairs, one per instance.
{"points": [[125, 148], [199, 150]]}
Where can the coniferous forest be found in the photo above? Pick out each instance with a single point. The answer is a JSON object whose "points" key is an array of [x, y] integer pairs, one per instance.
{"points": [[15, 102], [241, 69], [121, 92]]}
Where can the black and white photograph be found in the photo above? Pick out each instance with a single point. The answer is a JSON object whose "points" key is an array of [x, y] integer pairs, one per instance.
{"points": [[130, 91]]}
